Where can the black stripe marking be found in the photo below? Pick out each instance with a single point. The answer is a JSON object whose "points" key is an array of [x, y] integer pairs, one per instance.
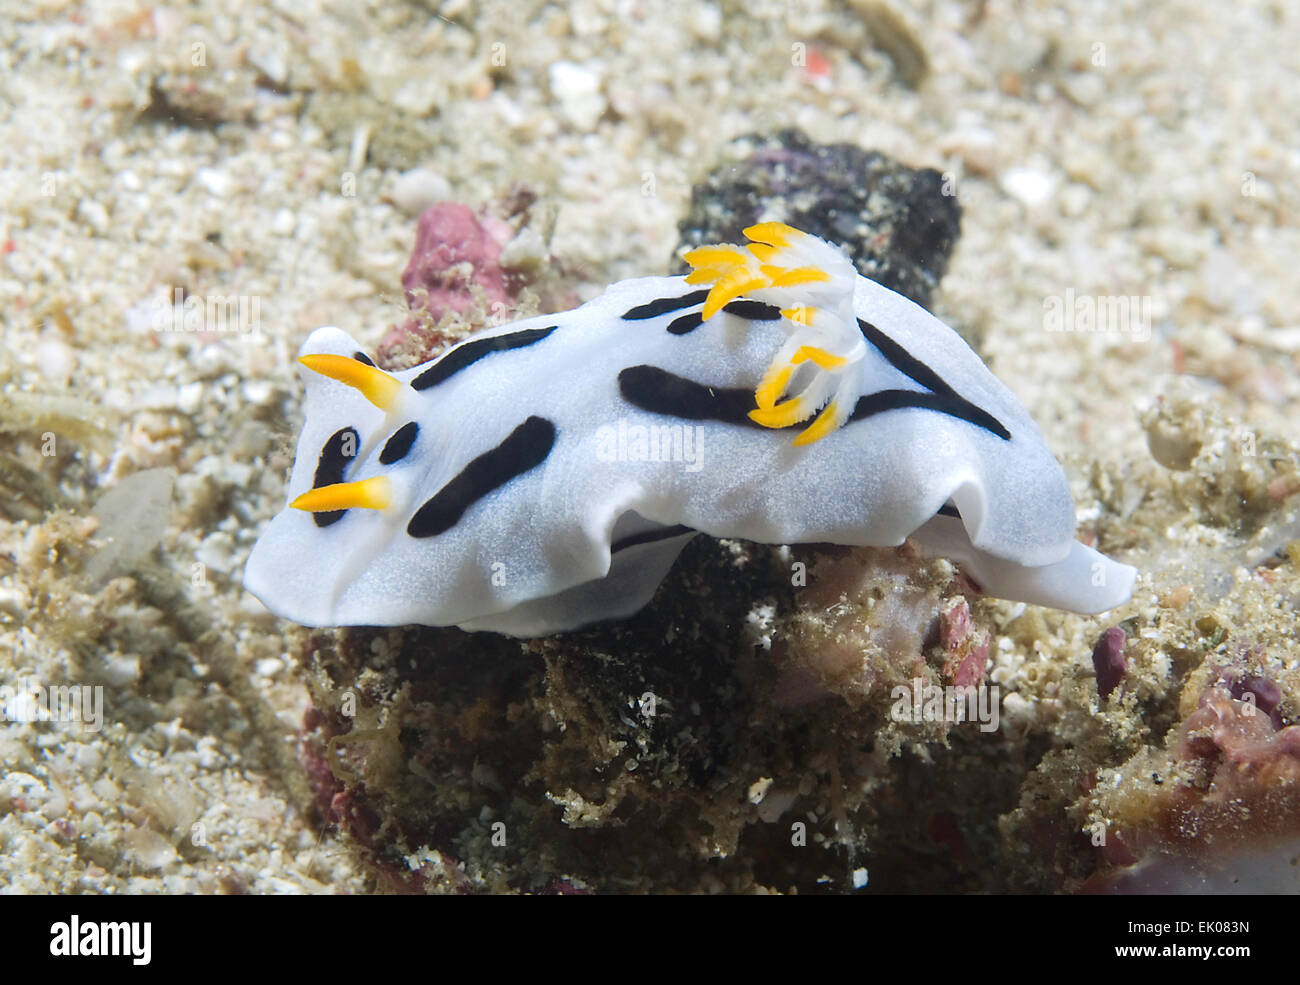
{"points": [[331, 467], [872, 404], [650, 537], [752, 310], [399, 444], [662, 392], [361, 357], [661, 306], [943, 398], [525, 449], [468, 353], [686, 323], [744, 308]]}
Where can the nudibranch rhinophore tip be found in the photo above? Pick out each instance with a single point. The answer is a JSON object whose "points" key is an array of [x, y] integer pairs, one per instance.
{"points": [[544, 475]]}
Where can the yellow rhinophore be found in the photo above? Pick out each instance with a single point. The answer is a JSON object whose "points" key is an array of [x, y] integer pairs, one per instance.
{"points": [[374, 384], [366, 494]]}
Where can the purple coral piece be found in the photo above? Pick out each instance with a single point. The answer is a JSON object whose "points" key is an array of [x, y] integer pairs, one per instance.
{"points": [[1267, 694], [454, 249], [967, 649], [1108, 660]]}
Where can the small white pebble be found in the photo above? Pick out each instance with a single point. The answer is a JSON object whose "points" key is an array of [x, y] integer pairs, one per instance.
{"points": [[206, 753], [271, 63], [705, 21], [525, 252], [258, 391], [859, 878], [417, 189], [269, 666], [284, 222], [25, 787], [1086, 88], [213, 181], [977, 145], [12, 602], [149, 849], [1028, 185], [1018, 713], [215, 550], [55, 358], [94, 214], [119, 669], [189, 397], [116, 398], [577, 88]]}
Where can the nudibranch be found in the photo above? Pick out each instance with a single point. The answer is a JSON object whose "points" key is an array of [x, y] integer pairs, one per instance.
{"points": [[544, 475]]}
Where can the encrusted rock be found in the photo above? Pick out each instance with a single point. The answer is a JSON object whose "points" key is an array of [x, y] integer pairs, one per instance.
{"points": [[899, 224]]}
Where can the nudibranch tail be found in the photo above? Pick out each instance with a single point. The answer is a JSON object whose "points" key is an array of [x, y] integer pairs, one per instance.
{"points": [[812, 283]]}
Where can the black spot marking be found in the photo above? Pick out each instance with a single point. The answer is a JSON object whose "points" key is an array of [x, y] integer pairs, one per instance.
{"points": [[686, 323], [947, 509], [361, 357], [942, 397], [339, 450], [662, 392], [662, 306], [752, 310], [399, 444], [650, 537], [470, 352], [525, 449]]}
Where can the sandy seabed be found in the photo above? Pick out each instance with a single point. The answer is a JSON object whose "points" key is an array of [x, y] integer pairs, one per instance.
{"points": [[276, 156]]}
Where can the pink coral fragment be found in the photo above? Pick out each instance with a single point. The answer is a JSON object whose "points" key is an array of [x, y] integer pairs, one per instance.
{"points": [[966, 649]]}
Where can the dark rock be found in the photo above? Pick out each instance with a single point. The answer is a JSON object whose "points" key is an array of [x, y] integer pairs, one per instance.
{"points": [[896, 222]]}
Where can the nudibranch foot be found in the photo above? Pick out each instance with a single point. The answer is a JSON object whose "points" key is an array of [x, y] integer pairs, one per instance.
{"points": [[1084, 581]]}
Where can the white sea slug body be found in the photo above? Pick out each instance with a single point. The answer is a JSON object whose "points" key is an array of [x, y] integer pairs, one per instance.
{"points": [[544, 475]]}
